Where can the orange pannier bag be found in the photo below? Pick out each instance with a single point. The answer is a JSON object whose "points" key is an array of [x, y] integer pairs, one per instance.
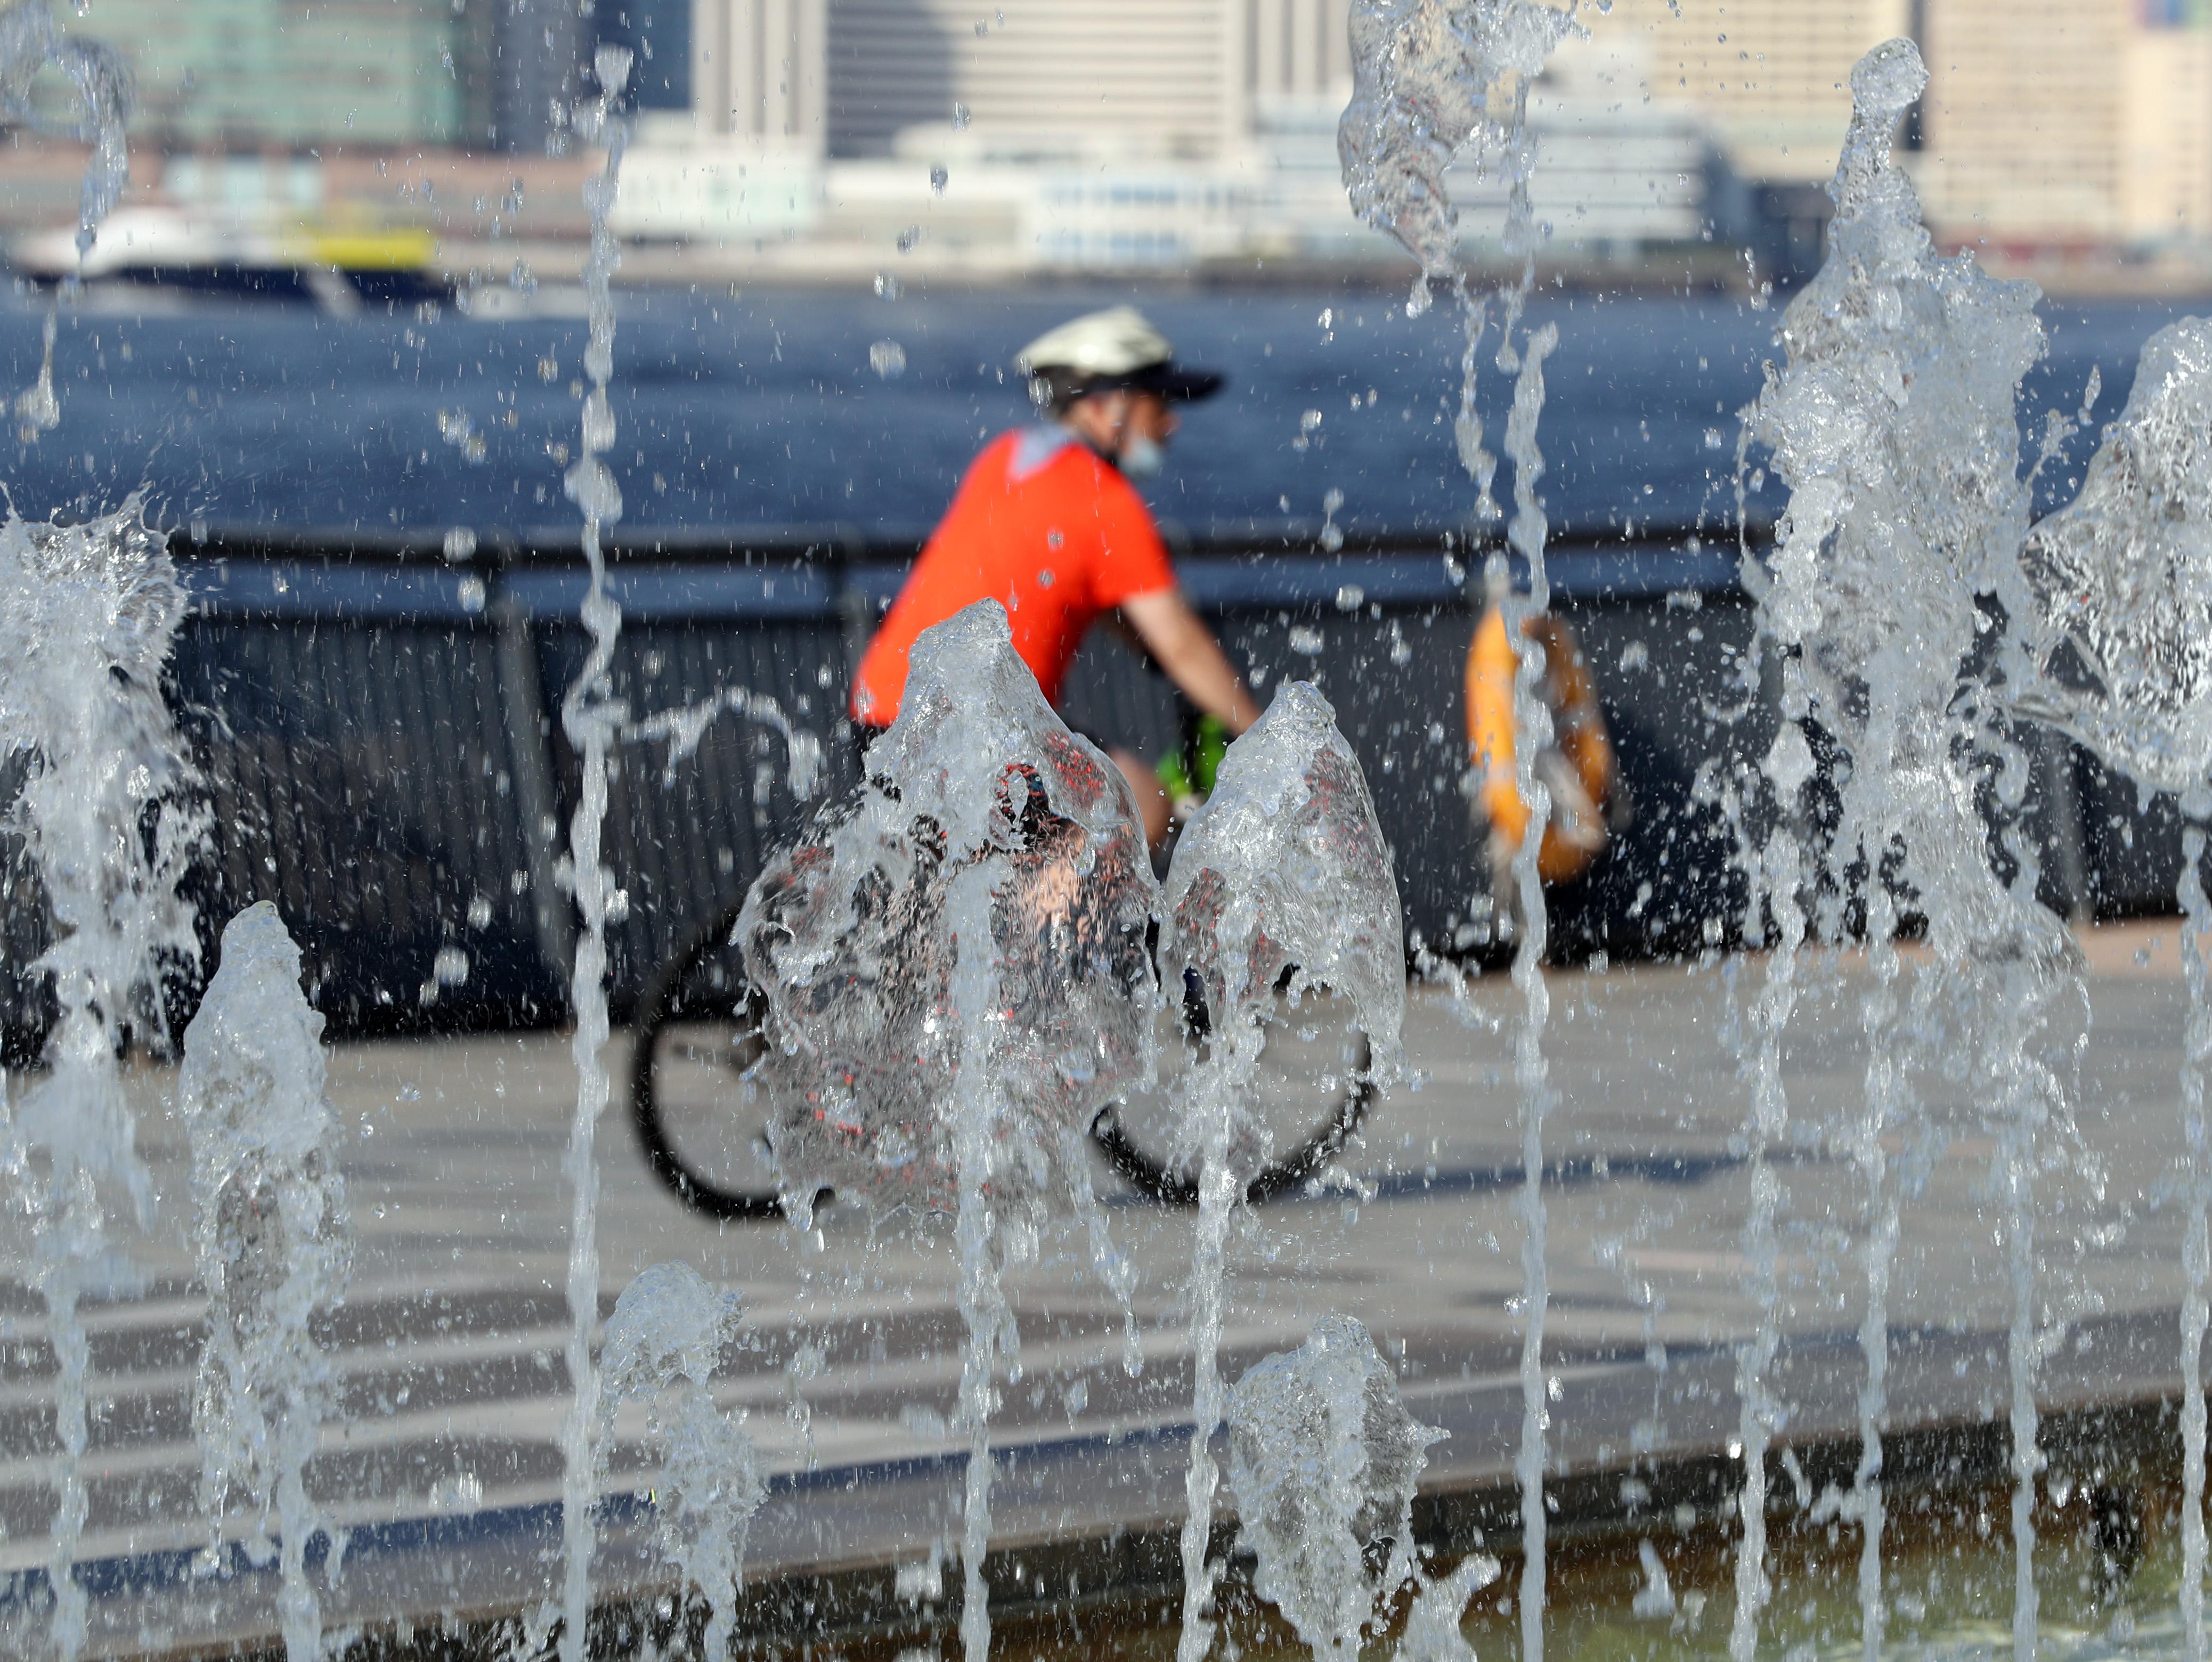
{"points": [[1579, 769]]}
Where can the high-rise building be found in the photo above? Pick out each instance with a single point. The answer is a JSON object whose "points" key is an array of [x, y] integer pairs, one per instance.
{"points": [[759, 72], [2025, 114], [521, 64], [1296, 53], [658, 35], [1049, 78], [2165, 159], [272, 74], [2056, 125], [1767, 77], [275, 75], [2047, 123]]}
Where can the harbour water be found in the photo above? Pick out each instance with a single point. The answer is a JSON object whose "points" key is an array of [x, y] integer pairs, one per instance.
{"points": [[766, 409]]}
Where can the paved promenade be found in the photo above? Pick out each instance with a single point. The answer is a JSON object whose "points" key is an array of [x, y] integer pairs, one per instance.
{"points": [[446, 1465]]}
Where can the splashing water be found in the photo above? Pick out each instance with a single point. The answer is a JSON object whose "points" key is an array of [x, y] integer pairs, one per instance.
{"points": [[1425, 76], [38, 407], [2196, 1249], [1324, 1458], [1282, 882], [593, 719], [957, 985], [663, 1341], [1894, 426], [87, 615], [1532, 723], [2122, 586], [1432, 1625], [103, 93], [2122, 577], [847, 935], [1426, 79], [1777, 873], [683, 729], [272, 1245]]}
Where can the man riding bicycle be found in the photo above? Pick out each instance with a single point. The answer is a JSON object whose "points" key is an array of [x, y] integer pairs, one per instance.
{"points": [[1047, 523]]}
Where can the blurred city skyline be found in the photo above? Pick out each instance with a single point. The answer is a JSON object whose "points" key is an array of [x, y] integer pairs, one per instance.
{"points": [[843, 139]]}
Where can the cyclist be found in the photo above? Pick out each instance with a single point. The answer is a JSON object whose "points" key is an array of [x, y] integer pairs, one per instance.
{"points": [[1048, 523]]}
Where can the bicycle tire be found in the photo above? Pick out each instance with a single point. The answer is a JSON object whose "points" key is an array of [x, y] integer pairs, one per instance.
{"points": [[661, 1001], [1161, 1182], [1151, 1176]]}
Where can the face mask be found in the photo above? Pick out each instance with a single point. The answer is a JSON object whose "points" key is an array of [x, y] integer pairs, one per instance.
{"points": [[1141, 456]]}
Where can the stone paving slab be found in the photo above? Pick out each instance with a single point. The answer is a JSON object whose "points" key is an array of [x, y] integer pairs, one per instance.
{"points": [[445, 1471]]}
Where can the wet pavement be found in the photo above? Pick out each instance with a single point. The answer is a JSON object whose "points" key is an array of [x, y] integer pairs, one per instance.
{"points": [[443, 1470]]}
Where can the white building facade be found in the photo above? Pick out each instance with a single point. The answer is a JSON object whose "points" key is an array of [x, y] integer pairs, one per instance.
{"points": [[1081, 134]]}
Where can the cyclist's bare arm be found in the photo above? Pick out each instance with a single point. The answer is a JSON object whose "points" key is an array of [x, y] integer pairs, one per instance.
{"points": [[1181, 645]]}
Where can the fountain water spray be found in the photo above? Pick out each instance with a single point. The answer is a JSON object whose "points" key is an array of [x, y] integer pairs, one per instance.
{"points": [[683, 729], [101, 85], [1280, 886], [87, 615], [1324, 1459], [2196, 1251], [1436, 84], [1432, 1630], [1427, 79], [1893, 425], [1776, 873], [957, 985], [593, 719], [272, 1245], [663, 1342], [2119, 629]]}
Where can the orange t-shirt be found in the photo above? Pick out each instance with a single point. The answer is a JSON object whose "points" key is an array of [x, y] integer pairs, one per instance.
{"points": [[1048, 529]]}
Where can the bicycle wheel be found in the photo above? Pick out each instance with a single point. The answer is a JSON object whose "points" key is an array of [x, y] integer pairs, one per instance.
{"points": [[1313, 1091], [698, 1030]]}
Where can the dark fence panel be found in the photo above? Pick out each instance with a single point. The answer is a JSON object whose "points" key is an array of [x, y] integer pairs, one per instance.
{"points": [[361, 777], [686, 841], [26, 1003], [1669, 670], [2133, 841], [1394, 680]]}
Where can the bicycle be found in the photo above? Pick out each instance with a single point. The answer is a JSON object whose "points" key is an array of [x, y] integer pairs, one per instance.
{"points": [[699, 1027]]}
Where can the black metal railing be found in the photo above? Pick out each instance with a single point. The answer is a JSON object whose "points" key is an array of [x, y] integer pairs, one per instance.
{"points": [[376, 724]]}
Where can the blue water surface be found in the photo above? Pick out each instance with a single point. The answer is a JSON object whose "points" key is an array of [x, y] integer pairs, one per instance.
{"points": [[764, 410]]}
